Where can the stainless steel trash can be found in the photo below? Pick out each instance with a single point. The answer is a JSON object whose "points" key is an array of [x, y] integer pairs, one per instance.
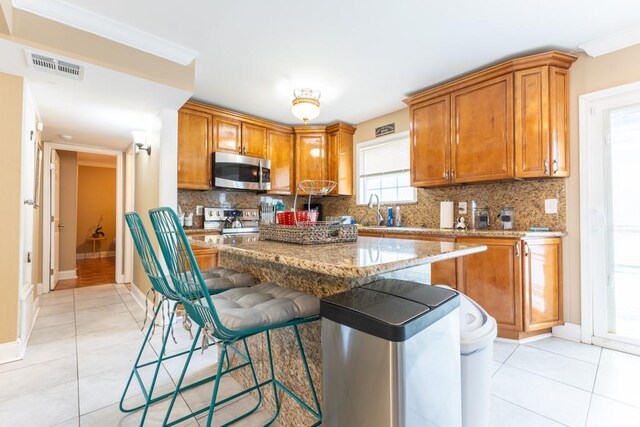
{"points": [[391, 356]]}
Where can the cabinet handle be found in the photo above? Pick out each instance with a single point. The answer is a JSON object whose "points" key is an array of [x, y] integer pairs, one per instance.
{"points": [[453, 175], [526, 249], [518, 249], [556, 166], [239, 150], [546, 166], [445, 175]]}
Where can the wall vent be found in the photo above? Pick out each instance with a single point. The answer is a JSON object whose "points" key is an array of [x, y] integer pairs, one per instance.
{"points": [[54, 65]]}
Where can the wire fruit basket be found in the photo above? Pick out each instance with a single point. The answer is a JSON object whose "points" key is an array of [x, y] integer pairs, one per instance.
{"points": [[303, 227]]}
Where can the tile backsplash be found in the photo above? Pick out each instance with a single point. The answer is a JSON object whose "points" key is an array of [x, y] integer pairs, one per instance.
{"points": [[189, 199], [526, 197]]}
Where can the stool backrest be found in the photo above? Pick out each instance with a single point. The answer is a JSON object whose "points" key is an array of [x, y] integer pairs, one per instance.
{"points": [[148, 257], [185, 273]]}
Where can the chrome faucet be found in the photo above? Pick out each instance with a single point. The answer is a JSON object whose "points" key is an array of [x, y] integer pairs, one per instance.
{"points": [[379, 217]]}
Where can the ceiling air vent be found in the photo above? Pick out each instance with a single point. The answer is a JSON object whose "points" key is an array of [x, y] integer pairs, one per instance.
{"points": [[54, 65]]}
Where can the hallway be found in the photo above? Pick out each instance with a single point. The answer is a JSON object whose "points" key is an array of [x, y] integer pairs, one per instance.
{"points": [[91, 272]]}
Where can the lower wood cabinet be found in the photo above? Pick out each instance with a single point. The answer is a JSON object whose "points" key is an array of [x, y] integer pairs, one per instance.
{"points": [[206, 258], [518, 282]]}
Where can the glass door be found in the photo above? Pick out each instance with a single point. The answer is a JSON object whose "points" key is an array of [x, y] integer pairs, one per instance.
{"points": [[622, 212]]}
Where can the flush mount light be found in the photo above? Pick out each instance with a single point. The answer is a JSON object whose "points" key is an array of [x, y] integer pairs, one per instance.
{"points": [[306, 104], [140, 140]]}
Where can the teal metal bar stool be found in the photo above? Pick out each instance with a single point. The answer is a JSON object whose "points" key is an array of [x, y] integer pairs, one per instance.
{"points": [[265, 307], [217, 280]]}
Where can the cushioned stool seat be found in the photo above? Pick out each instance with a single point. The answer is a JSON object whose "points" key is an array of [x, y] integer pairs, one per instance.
{"points": [[229, 281], [263, 305]]}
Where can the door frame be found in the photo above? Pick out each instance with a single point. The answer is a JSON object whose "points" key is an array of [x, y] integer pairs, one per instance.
{"points": [[46, 207], [592, 131]]}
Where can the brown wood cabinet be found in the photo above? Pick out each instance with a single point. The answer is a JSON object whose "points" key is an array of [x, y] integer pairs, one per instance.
{"points": [[226, 135], [340, 158], [254, 140], [206, 258], [311, 153], [431, 142], [194, 150], [482, 119], [541, 122], [281, 152], [493, 279], [505, 122], [518, 282], [542, 279]]}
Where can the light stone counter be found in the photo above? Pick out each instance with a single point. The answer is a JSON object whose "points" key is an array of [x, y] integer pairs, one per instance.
{"points": [[321, 270], [439, 232]]}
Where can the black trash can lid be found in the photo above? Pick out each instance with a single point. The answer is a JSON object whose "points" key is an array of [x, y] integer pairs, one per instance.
{"points": [[390, 309]]}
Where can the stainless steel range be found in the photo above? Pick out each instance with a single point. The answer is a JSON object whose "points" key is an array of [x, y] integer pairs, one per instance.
{"points": [[231, 220]]}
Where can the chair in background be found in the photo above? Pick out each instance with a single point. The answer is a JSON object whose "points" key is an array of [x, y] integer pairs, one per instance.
{"points": [[217, 280], [264, 308]]}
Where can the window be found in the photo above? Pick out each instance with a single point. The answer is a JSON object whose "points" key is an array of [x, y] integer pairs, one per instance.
{"points": [[383, 169]]}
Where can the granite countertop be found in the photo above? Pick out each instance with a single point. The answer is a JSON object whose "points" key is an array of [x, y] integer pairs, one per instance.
{"points": [[464, 233], [189, 231], [367, 256]]}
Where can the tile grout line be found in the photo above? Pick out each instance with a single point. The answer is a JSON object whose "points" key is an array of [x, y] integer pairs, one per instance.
{"points": [[593, 387], [550, 379], [529, 410], [564, 355], [75, 325]]}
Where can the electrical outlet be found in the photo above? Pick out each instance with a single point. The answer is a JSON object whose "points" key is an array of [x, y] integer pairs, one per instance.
{"points": [[462, 208], [551, 206], [199, 210]]}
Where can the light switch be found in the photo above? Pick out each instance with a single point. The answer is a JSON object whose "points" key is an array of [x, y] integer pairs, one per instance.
{"points": [[551, 206], [462, 208], [199, 210]]}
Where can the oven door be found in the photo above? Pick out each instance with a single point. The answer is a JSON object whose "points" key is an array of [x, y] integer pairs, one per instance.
{"points": [[241, 172]]}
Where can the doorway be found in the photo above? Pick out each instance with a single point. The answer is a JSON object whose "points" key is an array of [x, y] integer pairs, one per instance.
{"points": [[84, 208], [87, 249], [610, 225]]}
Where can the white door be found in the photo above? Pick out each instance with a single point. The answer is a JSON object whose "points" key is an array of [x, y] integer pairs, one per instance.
{"points": [[613, 222], [55, 219]]}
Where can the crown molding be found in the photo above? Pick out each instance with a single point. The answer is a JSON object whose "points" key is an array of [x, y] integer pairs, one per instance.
{"points": [[67, 14], [612, 42]]}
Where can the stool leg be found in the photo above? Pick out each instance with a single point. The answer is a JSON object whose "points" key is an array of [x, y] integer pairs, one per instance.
{"points": [[306, 369], [216, 385], [273, 381]]}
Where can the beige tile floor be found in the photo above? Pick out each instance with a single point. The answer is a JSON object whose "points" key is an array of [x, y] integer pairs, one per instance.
{"points": [[84, 342]]}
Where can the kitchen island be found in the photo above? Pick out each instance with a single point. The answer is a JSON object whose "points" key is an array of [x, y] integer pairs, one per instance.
{"points": [[322, 270]]}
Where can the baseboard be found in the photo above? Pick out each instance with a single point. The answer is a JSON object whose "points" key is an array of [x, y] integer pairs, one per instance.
{"points": [[67, 274], [11, 351], [568, 331], [141, 299], [94, 255]]}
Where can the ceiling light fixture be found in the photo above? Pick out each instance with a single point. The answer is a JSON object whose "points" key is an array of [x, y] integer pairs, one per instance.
{"points": [[306, 104], [140, 140]]}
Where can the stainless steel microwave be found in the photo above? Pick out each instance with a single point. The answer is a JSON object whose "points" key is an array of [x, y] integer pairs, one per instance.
{"points": [[241, 172]]}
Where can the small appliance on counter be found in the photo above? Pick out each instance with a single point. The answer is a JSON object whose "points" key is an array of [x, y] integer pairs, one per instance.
{"points": [[231, 220], [446, 214], [482, 218], [506, 216]]}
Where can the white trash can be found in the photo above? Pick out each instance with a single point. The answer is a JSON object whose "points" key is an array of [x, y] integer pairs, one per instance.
{"points": [[478, 330]]}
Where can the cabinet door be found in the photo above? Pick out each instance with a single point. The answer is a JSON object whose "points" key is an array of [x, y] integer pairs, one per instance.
{"points": [[194, 154], [431, 142], [531, 111], [482, 119], [542, 283], [226, 135], [254, 140], [340, 162], [206, 258], [559, 120], [311, 157], [493, 279], [281, 154]]}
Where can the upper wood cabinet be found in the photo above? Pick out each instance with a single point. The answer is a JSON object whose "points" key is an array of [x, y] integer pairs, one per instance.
{"points": [[431, 142], [340, 158], [482, 119], [541, 122], [226, 135], [311, 153], [508, 121], [281, 153], [194, 150], [254, 140]]}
